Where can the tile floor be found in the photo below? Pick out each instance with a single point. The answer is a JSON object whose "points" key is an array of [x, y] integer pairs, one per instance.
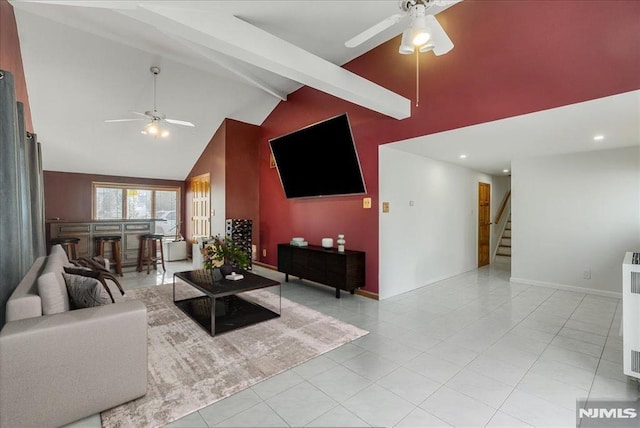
{"points": [[469, 351]]}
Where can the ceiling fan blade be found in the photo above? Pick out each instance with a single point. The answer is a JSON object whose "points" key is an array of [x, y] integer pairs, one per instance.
{"points": [[140, 114], [122, 120], [443, 3], [179, 122], [442, 42], [372, 31]]}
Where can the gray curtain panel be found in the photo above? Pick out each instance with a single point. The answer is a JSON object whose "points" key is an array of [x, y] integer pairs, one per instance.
{"points": [[11, 262], [21, 194], [24, 178]]}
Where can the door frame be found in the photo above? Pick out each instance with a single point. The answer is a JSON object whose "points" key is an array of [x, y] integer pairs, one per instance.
{"points": [[205, 211], [481, 258]]}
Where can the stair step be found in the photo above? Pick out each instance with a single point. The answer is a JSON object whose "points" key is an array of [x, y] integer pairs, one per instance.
{"points": [[503, 249], [504, 246], [503, 255]]}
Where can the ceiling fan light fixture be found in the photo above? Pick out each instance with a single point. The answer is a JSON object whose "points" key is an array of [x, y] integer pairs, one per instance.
{"points": [[427, 46], [420, 37], [406, 47], [152, 128], [155, 130], [420, 32]]}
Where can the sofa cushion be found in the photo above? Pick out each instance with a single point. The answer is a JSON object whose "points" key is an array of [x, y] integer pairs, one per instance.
{"points": [[57, 250], [86, 292], [55, 263], [53, 293]]}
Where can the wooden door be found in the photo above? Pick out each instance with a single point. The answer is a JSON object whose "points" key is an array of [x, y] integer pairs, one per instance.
{"points": [[200, 190], [484, 223]]}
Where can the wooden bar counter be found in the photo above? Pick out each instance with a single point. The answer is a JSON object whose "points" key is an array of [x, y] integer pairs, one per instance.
{"points": [[128, 230]]}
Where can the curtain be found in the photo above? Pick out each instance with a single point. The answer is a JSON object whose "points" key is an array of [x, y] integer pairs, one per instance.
{"points": [[21, 194]]}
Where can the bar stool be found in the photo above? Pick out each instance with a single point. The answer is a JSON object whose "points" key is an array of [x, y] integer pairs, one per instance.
{"points": [[149, 252], [115, 249], [69, 245]]}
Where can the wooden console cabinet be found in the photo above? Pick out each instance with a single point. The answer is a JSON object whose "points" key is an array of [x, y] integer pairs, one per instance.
{"points": [[344, 271]]}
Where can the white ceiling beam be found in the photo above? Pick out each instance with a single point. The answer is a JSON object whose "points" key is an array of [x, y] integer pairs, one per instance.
{"points": [[238, 39], [243, 41]]}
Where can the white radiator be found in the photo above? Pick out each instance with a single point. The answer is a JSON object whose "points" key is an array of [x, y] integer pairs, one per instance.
{"points": [[631, 314]]}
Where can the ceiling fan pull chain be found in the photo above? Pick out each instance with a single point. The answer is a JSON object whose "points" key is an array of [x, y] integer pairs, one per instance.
{"points": [[417, 77], [155, 80]]}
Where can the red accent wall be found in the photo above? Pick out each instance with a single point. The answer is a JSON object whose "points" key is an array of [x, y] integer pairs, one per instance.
{"points": [[231, 159], [11, 59], [68, 195], [510, 58], [241, 172]]}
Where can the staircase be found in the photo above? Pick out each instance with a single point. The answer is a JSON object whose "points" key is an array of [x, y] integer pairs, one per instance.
{"points": [[504, 248]]}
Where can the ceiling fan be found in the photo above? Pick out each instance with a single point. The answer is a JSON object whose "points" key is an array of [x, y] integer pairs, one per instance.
{"points": [[424, 31], [155, 118]]}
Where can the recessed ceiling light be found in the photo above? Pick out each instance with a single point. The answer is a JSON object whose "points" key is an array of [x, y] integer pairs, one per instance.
{"points": [[505, 170], [598, 138], [463, 156]]}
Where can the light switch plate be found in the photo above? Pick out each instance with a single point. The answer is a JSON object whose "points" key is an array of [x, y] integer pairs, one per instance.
{"points": [[366, 202], [385, 207]]}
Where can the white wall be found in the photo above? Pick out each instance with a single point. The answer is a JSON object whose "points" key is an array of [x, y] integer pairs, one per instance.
{"points": [[436, 237], [572, 213]]}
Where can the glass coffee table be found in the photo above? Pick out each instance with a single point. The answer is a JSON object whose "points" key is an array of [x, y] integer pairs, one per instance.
{"points": [[221, 309]]}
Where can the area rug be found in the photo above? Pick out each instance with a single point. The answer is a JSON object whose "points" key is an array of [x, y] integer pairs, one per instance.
{"points": [[189, 369]]}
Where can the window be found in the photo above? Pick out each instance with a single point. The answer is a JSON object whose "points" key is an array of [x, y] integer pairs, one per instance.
{"points": [[140, 203], [118, 201], [107, 203]]}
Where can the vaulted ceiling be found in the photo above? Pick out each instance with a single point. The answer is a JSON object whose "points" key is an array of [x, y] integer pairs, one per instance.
{"points": [[88, 60]]}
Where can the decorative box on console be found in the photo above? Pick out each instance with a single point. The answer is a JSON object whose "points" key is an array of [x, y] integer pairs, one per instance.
{"points": [[299, 242]]}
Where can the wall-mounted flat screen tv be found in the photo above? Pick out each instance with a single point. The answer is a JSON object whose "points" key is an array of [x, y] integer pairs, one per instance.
{"points": [[319, 160]]}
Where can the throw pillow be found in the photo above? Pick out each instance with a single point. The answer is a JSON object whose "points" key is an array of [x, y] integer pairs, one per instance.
{"points": [[86, 292], [100, 275]]}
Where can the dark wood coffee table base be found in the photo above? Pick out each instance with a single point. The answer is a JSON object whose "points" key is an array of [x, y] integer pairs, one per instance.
{"points": [[231, 312]]}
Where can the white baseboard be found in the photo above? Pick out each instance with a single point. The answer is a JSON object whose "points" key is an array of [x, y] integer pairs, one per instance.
{"points": [[447, 276], [429, 282], [566, 287]]}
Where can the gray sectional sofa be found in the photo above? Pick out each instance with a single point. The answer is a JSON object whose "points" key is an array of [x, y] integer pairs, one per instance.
{"points": [[59, 367]]}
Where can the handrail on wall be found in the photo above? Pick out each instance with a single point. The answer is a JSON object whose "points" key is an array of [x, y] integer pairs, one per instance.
{"points": [[502, 206]]}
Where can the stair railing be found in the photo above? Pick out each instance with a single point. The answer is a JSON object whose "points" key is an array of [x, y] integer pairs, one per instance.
{"points": [[501, 220], [503, 205]]}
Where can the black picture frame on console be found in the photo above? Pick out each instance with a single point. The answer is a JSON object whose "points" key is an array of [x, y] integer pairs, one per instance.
{"points": [[319, 160]]}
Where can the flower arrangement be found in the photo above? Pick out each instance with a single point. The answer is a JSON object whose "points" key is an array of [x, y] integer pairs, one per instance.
{"points": [[224, 251]]}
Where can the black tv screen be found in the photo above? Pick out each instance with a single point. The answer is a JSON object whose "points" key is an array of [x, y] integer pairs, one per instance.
{"points": [[319, 160]]}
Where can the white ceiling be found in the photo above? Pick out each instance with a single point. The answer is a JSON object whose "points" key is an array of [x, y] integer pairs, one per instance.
{"points": [[85, 64], [490, 147]]}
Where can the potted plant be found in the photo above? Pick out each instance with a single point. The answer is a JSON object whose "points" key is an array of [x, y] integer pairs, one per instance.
{"points": [[224, 253]]}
